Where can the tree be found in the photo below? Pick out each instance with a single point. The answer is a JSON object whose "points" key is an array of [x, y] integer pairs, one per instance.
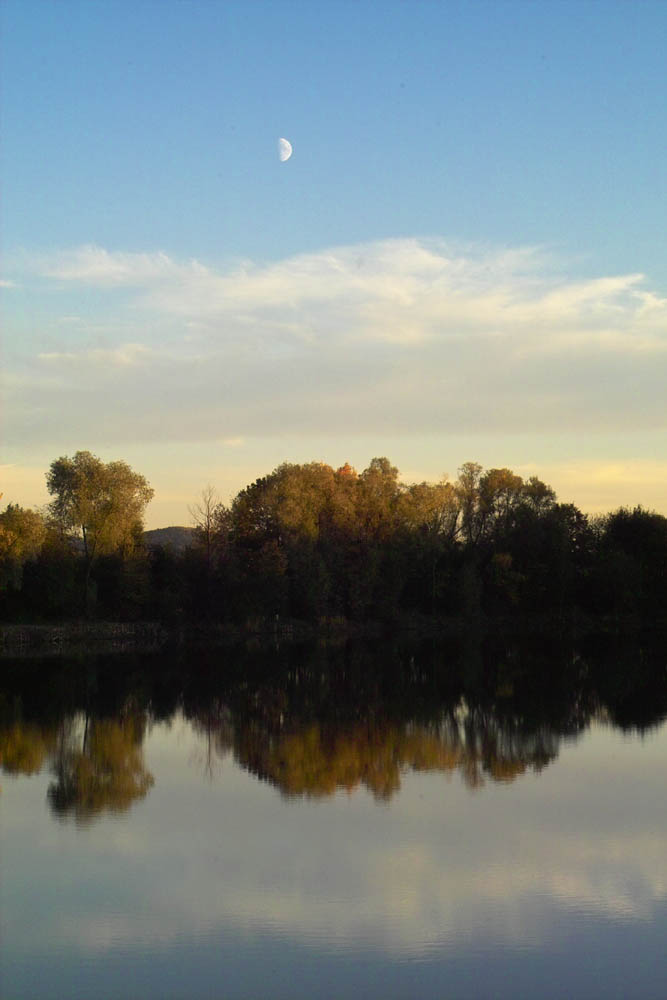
{"points": [[275, 526], [203, 516], [467, 491], [538, 495], [101, 503], [632, 562], [22, 533], [206, 562], [429, 516], [377, 498], [493, 504], [501, 493]]}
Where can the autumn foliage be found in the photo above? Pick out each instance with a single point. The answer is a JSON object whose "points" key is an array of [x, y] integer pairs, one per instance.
{"points": [[312, 543]]}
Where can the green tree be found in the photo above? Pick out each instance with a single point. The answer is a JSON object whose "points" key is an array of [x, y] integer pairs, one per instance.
{"points": [[538, 495], [22, 533], [632, 563], [500, 494], [101, 503], [494, 504], [468, 493], [377, 499], [429, 514]]}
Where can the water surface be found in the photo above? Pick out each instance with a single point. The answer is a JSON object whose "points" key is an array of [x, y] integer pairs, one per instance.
{"points": [[381, 822]]}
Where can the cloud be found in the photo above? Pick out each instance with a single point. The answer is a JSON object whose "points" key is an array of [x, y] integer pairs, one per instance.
{"points": [[394, 337], [124, 356], [93, 265]]}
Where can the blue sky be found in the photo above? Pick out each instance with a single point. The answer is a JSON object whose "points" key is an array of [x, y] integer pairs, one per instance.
{"points": [[463, 259]]}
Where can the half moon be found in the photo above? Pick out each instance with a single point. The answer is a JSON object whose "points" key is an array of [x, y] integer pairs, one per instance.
{"points": [[284, 150]]}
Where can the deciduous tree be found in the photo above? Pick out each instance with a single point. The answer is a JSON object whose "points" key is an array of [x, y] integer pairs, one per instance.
{"points": [[101, 503], [22, 533]]}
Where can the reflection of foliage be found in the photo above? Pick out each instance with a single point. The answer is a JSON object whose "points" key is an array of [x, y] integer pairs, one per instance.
{"points": [[312, 720], [315, 761], [215, 725], [24, 748], [107, 773], [503, 750]]}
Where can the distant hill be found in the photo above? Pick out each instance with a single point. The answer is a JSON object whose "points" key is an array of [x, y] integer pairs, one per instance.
{"points": [[175, 538]]}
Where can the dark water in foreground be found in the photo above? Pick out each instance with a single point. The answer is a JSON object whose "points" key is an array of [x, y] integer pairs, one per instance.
{"points": [[374, 821]]}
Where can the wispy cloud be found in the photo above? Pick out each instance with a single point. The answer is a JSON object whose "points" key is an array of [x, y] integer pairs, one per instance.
{"points": [[381, 290], [399, 336], [124, 356], [93, 265]]}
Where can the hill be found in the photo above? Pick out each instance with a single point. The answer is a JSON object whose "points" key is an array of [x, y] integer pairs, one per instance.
{"points": [[175, 538]]}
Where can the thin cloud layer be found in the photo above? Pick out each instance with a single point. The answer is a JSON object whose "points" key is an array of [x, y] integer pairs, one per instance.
{"points": [[399, 336]]}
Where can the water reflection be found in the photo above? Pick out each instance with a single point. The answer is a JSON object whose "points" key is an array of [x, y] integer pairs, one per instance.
{"points": [[507, 838], [25, 746], [312, 721], [98, 765], [317, 760]]}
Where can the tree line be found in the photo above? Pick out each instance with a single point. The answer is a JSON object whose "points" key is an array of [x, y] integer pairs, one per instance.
{"points": [[314, 543]]}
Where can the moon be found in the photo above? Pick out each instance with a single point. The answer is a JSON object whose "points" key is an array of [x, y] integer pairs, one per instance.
{"points": [[284, 150]]}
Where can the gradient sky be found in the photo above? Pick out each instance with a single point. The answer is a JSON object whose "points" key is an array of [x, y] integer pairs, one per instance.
{"points": [[464, 259]]}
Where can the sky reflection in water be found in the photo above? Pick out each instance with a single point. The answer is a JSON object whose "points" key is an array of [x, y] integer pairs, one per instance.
{"points": [[549, 882]]}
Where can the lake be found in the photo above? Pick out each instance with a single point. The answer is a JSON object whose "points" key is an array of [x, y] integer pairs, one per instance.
{"points": [[462, 819]]}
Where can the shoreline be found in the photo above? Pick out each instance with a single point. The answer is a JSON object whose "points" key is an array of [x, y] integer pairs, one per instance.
{"points": [[62, 637]]}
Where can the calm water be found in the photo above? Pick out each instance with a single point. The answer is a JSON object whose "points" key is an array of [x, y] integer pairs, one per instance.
{"points": [[382, 822]]}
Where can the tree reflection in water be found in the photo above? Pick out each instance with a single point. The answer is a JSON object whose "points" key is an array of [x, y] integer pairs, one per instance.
{"points": [[101, 769], [313, 721], [24, 747], [318, 760]]}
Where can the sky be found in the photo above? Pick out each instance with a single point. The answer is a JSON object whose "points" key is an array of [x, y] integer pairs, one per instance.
{"points": [[463, 260]]}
